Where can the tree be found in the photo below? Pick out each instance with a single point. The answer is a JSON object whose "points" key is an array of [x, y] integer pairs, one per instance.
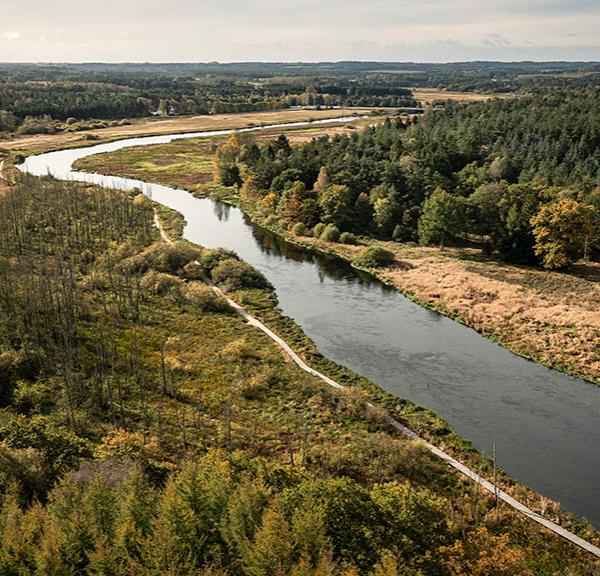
{"points": [[226, 169], [336, 202], [8, 121], [443, 218], [354, 522], [486, 207], [272, 552], [511, 237], [385, 209], [560, 230], [322, 181], [416, 520], [192, 506], [483, 554]]}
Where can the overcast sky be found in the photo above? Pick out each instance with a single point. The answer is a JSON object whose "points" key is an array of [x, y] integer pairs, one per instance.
{"points": [[308, 30]]}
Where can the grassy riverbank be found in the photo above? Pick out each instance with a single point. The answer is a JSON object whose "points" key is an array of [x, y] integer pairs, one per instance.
{"points": [[549, 317], [38, 143]]}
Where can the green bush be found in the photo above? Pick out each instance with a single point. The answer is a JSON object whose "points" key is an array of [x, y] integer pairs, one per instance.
{"points": [[271, 221], [318, 229], [374, 257], [168, 258], [299, 229], [34, 397], [194, 271], [330, 233], [235, 275], [159, 282], [37, 125], [348, 238], [211, 259], [203, 298]]}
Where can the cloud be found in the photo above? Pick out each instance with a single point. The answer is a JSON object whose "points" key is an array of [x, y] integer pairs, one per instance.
{"points": [[10, 36], [314, 30], [495, 40]]}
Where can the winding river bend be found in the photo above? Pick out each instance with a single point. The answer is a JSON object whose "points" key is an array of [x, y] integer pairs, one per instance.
{"points": [[546, 424]]}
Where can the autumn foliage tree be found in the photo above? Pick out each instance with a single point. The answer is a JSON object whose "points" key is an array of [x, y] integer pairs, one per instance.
{"points": [[560, 230]]}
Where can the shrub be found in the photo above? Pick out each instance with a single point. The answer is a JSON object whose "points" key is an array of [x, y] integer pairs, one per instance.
{"points": [[37, 396], [348, 238], [213, 258], [374, 257], [299, 229], [159, 282], [318, 229], [270, 221], [330, 233], [234, 275], [37, 125], [193, 271], [173, 257], [203, 298], [169, 258]]}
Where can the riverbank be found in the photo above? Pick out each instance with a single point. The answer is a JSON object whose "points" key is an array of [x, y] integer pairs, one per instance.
{"points": [[547, 317], [291, 332], [552, 318]]}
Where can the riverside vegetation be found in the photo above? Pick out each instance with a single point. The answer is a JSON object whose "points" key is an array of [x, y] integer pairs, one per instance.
{"points": [[145, 429], [499, 185]]}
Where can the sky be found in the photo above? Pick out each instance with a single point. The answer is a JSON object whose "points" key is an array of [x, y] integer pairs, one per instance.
{"points": [[291, 31]]}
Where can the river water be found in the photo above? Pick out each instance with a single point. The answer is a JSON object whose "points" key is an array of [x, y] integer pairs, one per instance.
{"points": [[546, 424]]}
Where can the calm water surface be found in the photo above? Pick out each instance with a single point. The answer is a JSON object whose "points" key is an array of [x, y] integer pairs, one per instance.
{"points": [[546, 424]]}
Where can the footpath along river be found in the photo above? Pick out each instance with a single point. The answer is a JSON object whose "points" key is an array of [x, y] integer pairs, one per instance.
{"points": [[546, 424]]}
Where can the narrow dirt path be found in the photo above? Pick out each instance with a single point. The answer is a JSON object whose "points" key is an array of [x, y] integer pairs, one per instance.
{"points": [[485, 484]]}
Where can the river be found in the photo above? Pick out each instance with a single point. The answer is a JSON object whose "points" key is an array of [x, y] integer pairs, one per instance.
{"points": [[546, 424]]}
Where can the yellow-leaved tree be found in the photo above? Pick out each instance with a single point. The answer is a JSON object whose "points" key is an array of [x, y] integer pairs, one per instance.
{"points": [[562, 231]]}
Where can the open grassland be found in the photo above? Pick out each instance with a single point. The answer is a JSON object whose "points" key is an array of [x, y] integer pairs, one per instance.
{"points": [[176, 125], [549, 317], [428, 95]]}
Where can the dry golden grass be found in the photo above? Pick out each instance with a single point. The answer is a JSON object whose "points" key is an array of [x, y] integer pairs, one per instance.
{"points": [[155, 126], [549, 316], [428, 95]]}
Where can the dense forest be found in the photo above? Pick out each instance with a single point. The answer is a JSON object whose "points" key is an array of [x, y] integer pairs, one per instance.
{"points": [[147, 430], [519, 177]]}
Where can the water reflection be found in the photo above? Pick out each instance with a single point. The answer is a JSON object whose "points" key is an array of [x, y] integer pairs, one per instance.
{"points": [[328, 266], [222, 210]]}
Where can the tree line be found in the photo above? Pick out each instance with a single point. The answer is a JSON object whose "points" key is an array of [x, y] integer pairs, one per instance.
{"points": [[519, 177], [31, 103]]}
